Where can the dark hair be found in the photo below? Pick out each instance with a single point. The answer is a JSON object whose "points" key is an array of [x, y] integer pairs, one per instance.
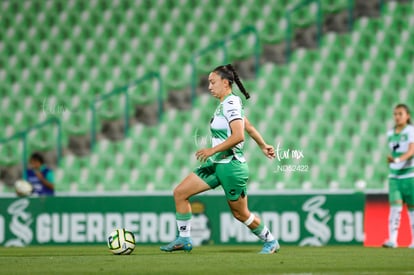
{"points": [[38, 157], [405, 107], [228, 72]]}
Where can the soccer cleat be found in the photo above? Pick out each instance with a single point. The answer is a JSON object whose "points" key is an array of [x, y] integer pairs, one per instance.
{"points": [[389, 244], [270, 247], [181, 243]]}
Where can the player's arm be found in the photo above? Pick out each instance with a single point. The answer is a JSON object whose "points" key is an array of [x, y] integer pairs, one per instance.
{"points": [[405, 156], [237, 136], [267, 149], [46, 181]]}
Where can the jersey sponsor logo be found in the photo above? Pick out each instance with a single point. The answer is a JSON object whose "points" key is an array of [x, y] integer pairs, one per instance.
{"points": [[395, 147], [231, 110]]}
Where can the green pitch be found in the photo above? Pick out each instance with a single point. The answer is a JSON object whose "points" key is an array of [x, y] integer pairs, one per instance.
{"points": [[212, 259]]}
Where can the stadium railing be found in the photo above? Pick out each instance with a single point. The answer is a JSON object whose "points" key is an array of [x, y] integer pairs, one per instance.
{"points": [[23, 137], [123, 91], [289, 31], [319, 18]]}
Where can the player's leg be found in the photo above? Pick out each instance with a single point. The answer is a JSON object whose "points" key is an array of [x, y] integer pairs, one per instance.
{"points": [[395, 199], [241, 212], [201, 180], [233, 177], [189, 187]]}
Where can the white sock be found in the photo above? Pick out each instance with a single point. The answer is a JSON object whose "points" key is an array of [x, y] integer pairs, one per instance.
{"points": [[394, 222], [184, 227], [261, 231], [266, 235], [411, 215]]}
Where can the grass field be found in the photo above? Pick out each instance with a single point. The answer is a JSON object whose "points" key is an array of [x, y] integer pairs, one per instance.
{"points": [[207, 260]]}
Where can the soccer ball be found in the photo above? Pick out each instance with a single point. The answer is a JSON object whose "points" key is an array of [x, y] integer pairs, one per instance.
{"points": [[121, 242], [23, 188]]}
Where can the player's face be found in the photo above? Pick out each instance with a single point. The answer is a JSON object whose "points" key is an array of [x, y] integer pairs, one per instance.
{"points": [[400, 116], [217, 85], [34, 164]]}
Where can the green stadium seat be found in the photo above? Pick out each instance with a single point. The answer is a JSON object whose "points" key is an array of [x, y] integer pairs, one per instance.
{"points": [[304, 16], [87, 181], [76, 125], [10, 153], [61, 183], [136, 182], [334, 6], [111, 180], [41, 140]]}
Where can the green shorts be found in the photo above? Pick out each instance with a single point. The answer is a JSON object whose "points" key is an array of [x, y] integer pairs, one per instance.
{"points": [[401, 189], [232, 176]]}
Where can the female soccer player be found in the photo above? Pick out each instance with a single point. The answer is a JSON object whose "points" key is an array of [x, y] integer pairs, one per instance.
{"points": [[401, 176], [224, 164]]}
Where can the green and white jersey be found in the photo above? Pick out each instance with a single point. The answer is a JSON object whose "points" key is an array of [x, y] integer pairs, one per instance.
{"points": [[228, 110], [398, 144]]}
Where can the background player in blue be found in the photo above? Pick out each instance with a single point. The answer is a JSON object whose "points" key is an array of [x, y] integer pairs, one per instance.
{"points": [[40, 176], [224, 164]]}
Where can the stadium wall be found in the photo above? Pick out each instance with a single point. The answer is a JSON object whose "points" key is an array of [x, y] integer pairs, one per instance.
{"points": [[295, 219]]}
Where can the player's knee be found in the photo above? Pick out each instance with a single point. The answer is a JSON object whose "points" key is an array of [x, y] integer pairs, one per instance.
{"points": [[240, 215], [177, 193], [180, 193]]}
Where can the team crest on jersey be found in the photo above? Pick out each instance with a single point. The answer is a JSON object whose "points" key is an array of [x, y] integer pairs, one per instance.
{"points": [[219, 110]]}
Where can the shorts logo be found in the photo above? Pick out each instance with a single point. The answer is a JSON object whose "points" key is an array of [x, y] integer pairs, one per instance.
{"points": [[232, 192]]}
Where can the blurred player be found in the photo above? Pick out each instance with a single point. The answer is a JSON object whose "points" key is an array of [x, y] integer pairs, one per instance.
{"points": [[40, 176], [224, 164], [401, 176]]}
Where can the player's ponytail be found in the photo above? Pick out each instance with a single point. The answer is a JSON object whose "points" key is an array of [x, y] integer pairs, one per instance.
{"points": [[228, 72], [407, 110], [238, 81]]}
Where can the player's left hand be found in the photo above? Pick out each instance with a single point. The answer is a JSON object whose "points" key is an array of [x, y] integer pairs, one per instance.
{"points": [[203, 154], [268, 151]]}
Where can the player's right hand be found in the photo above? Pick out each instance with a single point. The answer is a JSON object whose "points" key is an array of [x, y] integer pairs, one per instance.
{"points": [[268, 151]]}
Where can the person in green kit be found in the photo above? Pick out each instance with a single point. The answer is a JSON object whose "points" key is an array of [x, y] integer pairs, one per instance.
{"points": [[224, 164], [401, 175]]}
